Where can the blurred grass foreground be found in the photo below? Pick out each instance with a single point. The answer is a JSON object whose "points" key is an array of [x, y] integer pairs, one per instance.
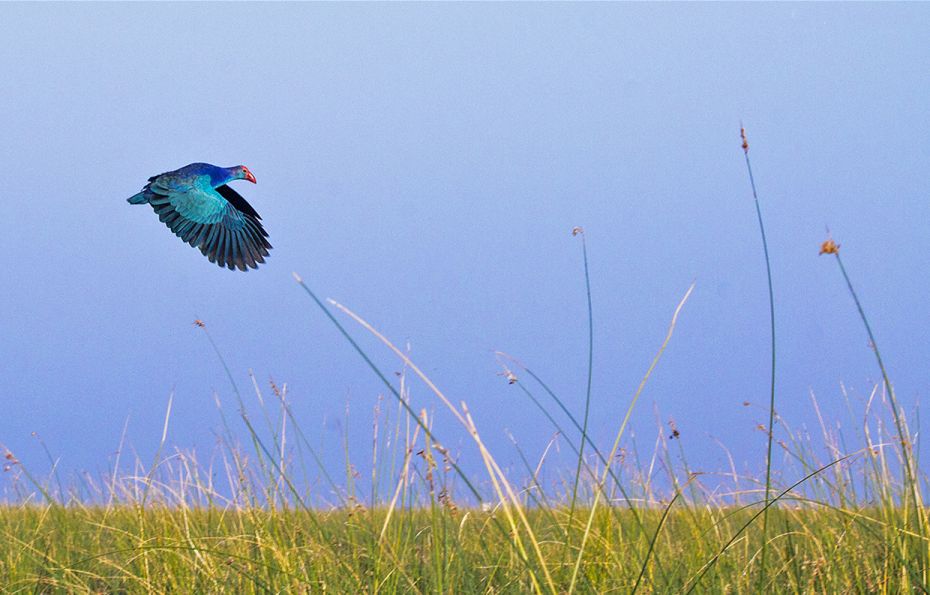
{"points": [[244, 522]]}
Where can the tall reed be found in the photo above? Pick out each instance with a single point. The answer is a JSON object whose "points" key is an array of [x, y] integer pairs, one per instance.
{"points": [[771, 425]]}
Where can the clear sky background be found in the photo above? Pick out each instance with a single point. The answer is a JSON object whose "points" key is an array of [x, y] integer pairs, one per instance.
{"points": [[425, 164]]}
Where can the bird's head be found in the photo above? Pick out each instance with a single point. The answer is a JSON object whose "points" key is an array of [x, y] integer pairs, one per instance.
{"points": [[241, 172]]}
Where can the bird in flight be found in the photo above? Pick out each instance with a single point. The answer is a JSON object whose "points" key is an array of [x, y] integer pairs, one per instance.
{"points": [[198, 206]]}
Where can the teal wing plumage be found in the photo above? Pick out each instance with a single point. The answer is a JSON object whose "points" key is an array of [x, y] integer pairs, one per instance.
{"points": [[229, 234]]}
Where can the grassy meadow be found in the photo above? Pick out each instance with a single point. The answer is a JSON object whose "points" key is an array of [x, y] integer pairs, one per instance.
{"points": [[244, 522]]}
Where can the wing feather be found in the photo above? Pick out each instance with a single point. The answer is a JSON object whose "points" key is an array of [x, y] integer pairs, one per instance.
{"points": [[221, 245]]}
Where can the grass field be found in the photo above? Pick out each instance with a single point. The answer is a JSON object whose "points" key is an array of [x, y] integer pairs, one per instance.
{"points": [[244, 522], [254, 550]]}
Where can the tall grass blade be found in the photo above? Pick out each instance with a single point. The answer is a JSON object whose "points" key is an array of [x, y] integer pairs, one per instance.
{"points": [[626, 419], [771, 426], [587, 400]]}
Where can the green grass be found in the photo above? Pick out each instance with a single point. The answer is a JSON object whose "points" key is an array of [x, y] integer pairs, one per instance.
{"points": [[164, 549], [841, 512], [443, 549]]}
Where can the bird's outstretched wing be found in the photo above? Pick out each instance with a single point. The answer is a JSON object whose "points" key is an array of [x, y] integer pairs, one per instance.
{"points": [[219, 222]]}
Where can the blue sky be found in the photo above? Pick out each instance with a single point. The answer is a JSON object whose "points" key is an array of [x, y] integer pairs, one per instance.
{"points": [[424, 164]]}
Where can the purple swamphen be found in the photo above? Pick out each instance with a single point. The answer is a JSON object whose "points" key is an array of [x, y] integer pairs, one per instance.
{"points": [[197, 205]]}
